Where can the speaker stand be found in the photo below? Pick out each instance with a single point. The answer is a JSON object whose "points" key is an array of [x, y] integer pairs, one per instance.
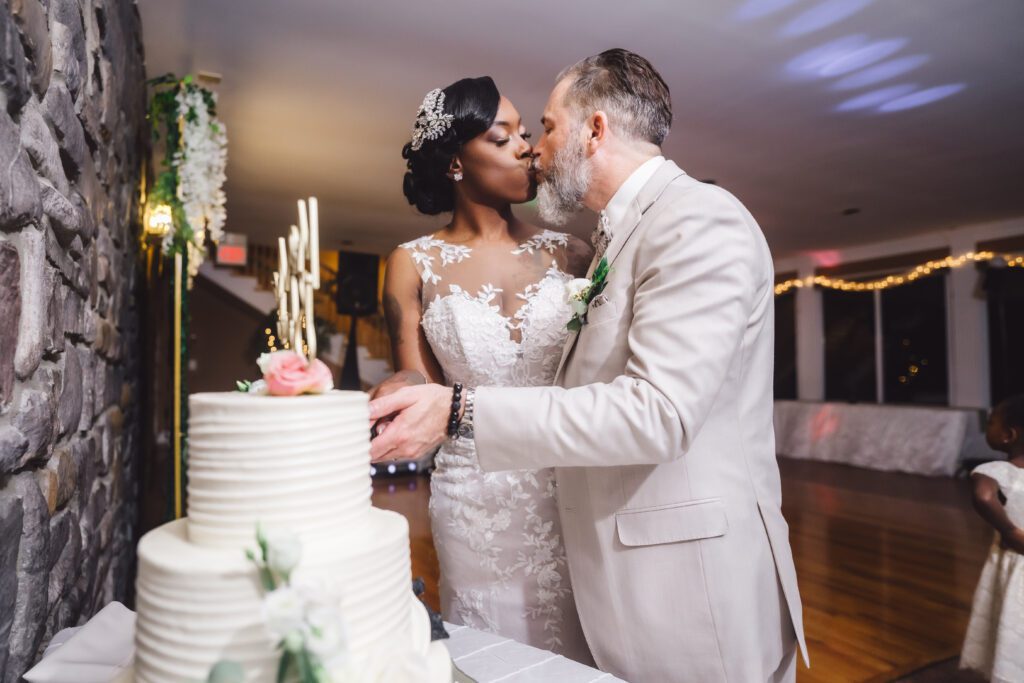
{"points": [[350, 370]]}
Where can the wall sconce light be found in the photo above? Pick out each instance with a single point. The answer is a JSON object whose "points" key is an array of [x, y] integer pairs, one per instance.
{"points": [[159, 220]]}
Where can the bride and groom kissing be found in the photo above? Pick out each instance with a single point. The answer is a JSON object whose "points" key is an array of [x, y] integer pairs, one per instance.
{"points": [[606, 484]]}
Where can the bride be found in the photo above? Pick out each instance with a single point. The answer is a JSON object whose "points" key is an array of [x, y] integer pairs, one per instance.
{"points": [[482, 302]]}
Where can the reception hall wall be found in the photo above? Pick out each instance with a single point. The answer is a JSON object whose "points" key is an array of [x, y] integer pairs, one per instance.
{"points": [[72, 142]]}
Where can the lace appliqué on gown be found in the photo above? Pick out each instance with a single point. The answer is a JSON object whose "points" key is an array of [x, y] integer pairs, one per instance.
{"points": [[422, 254], [548, 241], [497, 534]]}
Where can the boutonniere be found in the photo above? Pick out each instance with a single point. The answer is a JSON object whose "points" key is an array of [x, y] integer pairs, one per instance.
{"points": [[580, 292]]}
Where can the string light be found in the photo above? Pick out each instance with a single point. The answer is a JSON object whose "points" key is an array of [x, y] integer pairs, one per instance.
{"points": [[1012, 260]]}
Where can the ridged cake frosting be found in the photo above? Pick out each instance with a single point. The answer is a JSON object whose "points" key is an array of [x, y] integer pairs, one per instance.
{"points": [[300, 462], [296, 463]]}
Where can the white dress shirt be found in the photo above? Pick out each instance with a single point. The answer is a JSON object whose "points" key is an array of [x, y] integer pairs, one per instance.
{"points": [[627, 192]]}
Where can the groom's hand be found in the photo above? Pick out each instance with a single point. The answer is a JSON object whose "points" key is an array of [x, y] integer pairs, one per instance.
{"points": [[420, 422], [402, 378]]}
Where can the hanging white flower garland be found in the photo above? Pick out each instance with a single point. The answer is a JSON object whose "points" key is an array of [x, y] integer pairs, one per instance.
{"points": [[202, 164], [192, 190]]}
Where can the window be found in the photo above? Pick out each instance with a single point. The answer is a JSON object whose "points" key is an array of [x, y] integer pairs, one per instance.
{"points": [[887, 346], [914, 343], [849, 346], [785, 346], [1005, 290]]}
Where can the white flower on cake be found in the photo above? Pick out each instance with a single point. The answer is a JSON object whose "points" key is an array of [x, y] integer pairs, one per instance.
{"points": [[284, 611], [325, 636], [284, 551], [300, 609]]}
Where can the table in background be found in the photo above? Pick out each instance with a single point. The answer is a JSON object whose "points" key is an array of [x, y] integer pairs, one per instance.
{"points": [[914, 439], [487, 658]]}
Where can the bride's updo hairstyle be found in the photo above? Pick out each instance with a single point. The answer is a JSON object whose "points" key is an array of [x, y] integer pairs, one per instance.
{"points": [[473, 105]]}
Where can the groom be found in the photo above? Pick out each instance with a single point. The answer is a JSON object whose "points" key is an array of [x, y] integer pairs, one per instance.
{"points": [[660, 423]]}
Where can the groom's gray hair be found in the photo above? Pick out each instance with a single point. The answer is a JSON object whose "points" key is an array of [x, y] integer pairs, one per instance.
{"points": [[627, 88]]}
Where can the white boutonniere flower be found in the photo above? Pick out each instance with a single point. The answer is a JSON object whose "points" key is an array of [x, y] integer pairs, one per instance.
{"points": [[575, 295], [581, 291]]}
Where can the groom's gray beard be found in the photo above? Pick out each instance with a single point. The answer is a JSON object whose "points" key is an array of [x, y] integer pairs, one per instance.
{"points": [[560, 196]]}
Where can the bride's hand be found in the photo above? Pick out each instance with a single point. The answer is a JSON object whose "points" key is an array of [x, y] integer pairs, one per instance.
{"points": [[402, 378], [420, 422]]}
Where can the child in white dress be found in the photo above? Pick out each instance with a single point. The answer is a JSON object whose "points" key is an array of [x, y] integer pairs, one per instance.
{"points": [[994, 644]]}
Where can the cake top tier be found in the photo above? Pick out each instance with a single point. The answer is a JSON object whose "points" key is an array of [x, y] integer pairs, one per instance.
{"points": [[299, 462]]}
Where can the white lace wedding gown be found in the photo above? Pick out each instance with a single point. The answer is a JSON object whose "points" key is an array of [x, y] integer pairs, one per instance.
{"points": [[994, 643], [497, 535]]}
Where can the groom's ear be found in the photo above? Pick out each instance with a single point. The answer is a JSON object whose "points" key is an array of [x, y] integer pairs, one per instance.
{"points": [[598, 126]]}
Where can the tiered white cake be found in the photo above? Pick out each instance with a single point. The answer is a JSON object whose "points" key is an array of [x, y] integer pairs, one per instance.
{"points": [[297, 463]]}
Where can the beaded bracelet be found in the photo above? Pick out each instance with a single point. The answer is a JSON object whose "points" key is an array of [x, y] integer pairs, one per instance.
{"points": [[453, 418]]}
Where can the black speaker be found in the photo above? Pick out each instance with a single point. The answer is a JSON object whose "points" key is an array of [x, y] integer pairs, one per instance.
{"points": [[358, 276]]}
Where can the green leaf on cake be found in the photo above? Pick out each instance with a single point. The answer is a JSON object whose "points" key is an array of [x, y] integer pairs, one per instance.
{"points": [[243, 385], [267, 579], [305, 666], [283, 666]]}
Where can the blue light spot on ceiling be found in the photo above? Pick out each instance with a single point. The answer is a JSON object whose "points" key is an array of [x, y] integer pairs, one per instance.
{"points": [[922, 97], [876, 97], [822, 15], [881, 72], [811, 62], [865, 56]]}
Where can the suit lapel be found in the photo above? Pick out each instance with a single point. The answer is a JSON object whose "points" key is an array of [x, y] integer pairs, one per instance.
{"points": [[648, 194], [621, 234]]}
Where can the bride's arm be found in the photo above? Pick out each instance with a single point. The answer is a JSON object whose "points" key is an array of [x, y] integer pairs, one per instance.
{"points": [[403, 309]]}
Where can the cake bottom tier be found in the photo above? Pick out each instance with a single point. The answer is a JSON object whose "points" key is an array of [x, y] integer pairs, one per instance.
{"points": [[199, 605]]}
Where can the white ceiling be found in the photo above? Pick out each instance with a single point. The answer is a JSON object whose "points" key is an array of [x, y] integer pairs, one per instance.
{"points": [[319, 96]]}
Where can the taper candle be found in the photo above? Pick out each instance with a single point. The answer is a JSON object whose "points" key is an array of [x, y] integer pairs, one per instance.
{"points": [[314, 241]]}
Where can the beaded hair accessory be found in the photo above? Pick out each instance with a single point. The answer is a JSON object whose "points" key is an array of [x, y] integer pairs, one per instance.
{"points": [[431, 121]]}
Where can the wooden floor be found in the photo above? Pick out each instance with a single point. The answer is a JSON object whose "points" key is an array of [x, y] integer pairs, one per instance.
{"points": [[887, 564]]}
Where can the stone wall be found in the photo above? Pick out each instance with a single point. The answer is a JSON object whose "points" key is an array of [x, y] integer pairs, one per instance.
{"points": [[72, 144]]}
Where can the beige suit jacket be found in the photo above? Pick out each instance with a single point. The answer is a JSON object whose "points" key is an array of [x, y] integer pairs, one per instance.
{"points": [[660, 427]]}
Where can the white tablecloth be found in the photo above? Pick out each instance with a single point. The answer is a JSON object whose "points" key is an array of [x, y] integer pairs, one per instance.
{"points": [[102, 651], [913, 439], [487, 658]]}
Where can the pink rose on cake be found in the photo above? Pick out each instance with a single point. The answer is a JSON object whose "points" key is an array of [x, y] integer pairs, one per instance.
{"points": [[286, 373]]}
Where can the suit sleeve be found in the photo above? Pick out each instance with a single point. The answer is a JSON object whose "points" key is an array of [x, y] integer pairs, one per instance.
{"points": [[695, 287]]}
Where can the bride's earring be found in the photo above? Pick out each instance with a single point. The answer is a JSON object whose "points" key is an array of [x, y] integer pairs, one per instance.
{"points": [[458, 176]]}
